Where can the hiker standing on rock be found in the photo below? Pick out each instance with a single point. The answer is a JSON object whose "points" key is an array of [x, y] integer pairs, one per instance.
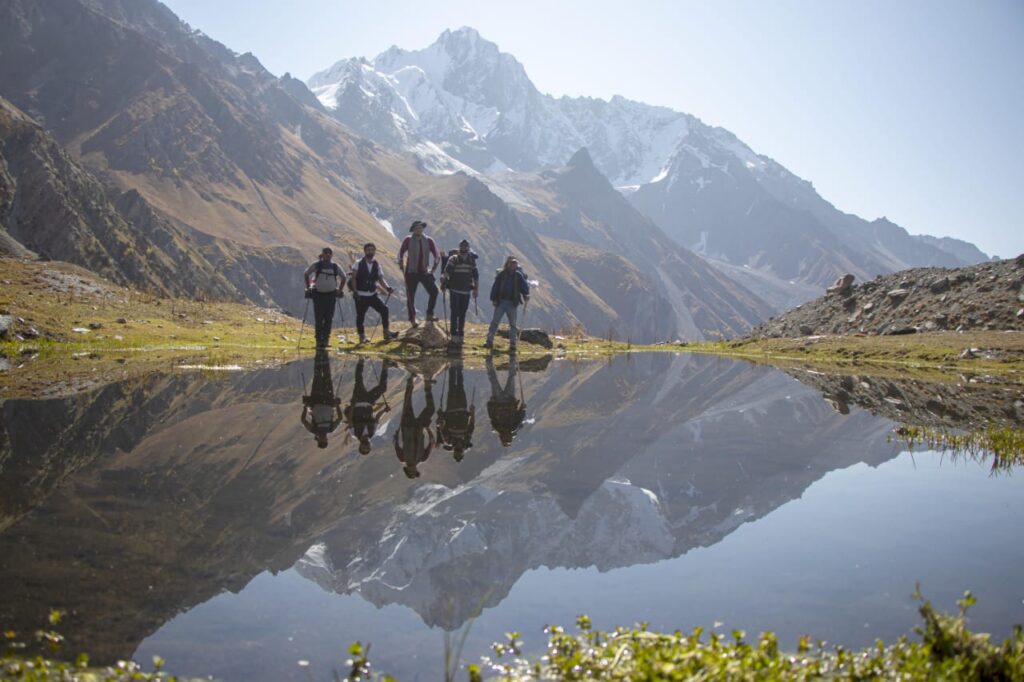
{"points": [[462, 279], [510, 288], [365, 280], [414, 440], [323, 282], [321, 411], [418, 258], [362, 413], [506, 410]]}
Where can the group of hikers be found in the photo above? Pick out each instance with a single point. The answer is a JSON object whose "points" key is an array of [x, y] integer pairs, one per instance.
{"points": [[418, 434], [418, 259]]}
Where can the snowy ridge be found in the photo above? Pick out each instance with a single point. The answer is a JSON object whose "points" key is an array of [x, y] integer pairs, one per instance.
{"points": [[477, 105]]}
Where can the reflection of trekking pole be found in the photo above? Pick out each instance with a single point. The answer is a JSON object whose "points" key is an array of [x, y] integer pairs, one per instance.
{"points": [[379, 317], [304, 313]]}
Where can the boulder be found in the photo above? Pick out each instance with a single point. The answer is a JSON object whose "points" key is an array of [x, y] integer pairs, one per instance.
{"points": [[537, 337], [898, 293], [841, 286], [6, 324], [900, 330], [939, 285], [427, 336]]}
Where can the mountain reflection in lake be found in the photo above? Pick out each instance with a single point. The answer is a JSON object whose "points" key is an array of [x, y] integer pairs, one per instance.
{"points": [[237, 524]]}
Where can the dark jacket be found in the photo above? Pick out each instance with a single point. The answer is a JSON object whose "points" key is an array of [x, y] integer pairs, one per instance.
{"points": [[510, 287]]}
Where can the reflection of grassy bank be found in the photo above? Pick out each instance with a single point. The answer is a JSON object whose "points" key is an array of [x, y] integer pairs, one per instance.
{"points": [[948, 650], [1005, 445]]}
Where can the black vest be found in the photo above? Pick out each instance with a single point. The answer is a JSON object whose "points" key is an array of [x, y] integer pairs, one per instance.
{"points": [[366, 276]]}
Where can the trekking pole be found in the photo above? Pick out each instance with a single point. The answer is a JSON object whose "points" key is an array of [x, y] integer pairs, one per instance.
{"points": [[522, 324], [444, 306], [304, 313], [374, 331]]}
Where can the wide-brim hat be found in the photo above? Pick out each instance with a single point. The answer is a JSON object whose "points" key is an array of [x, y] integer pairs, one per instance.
{"points": [[417, 223]]}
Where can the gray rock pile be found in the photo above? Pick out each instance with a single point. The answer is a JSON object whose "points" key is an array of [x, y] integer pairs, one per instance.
{"points": [[427, 336], [984, 296]]}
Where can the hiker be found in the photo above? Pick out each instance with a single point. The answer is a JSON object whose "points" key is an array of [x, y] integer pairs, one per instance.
{"points": [[462, 279], [456, 418], [510, 288], [321, 411], [414, 440], [365, 280], [362, 413], [418, 259], [506, 410], [323, 281]]}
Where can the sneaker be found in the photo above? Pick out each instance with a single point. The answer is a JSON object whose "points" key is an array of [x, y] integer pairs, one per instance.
{"points": [[390, 336], [363, 339], [414, 324], [431, 317]]}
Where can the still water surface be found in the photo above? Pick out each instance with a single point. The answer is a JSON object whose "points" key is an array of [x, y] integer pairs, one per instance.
{"points": [[197, 517]]}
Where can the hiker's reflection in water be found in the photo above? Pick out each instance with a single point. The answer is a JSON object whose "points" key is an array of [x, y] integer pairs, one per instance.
{"points": [[457, 417], [414, 440], [321, 411], [506, 410], [362, 412]]}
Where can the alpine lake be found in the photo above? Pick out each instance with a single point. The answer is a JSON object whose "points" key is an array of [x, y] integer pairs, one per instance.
{"points": [[250, 525]]}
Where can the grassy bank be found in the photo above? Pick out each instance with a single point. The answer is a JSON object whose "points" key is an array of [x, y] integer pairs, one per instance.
{"points": [[939, 355], [72, 331], [946, 650]]}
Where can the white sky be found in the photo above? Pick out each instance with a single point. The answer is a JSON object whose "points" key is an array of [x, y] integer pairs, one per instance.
{"points": [[908, 109]]}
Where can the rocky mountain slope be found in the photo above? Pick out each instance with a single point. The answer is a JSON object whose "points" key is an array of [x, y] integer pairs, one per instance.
{"points": [[985, 296], [462, 103], [576, 203], [51, 206], [235, 177]]}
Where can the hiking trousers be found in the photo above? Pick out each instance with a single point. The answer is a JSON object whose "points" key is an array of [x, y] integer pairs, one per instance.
{"points": [[364, 303], [412, 281], [460, 306], [323, 315], [505, 308]]}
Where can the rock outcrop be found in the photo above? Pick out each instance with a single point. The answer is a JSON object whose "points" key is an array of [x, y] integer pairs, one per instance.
{"points": [[980, 297]]}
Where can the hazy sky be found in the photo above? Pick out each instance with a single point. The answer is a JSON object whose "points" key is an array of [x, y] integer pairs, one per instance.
{"points": [[910, 109]]}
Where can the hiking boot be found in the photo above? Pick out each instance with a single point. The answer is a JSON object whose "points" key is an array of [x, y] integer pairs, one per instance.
{"points": [[390, 336], [431, 317], [363, 339]]}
